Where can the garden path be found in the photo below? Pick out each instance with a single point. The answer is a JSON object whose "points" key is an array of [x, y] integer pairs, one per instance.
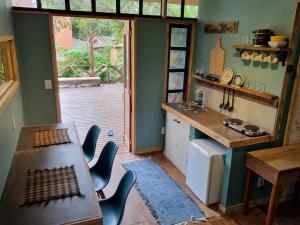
{"points": [[102, 105]]}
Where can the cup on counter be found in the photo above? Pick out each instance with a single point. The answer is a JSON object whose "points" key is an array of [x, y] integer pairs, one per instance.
{"points": [[250, 84], [260, 86]]}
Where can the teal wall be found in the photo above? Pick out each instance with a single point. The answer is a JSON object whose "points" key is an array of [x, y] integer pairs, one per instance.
{"points": [[34, 56], [151, 37], [277, 15], [8, 137]]}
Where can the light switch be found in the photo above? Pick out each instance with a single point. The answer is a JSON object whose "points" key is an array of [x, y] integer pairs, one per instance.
{"points": [[48, 84]]}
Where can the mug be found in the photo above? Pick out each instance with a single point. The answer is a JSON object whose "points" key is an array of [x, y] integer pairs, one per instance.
{"points": [[246, 56], [272, 59], [254, 56], [262, 57]]}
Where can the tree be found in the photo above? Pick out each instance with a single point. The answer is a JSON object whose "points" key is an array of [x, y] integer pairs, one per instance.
{"points": [[87, 30]]}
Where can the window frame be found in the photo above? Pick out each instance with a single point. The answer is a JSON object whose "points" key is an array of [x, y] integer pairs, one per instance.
{"points": [[93, 12], [11, 73], [187, 50]]}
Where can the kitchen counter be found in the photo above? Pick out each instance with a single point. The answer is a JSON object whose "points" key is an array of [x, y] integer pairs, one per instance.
{"points": [[211, 124]]}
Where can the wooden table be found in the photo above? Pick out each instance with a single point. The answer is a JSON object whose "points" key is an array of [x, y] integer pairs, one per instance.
{"points": [[75, 210], [279, 166]]}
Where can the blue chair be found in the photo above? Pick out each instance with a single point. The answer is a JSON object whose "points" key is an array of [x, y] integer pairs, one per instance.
{"points": [[113, 207], [101, 171], [90, 142]]}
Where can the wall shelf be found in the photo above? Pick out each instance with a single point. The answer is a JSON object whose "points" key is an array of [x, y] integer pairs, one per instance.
{"points": [[281, 53], [258, 96]]}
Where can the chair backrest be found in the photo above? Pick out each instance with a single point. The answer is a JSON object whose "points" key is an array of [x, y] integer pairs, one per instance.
{"points": [[121, 194], [106, 159], [90, 142]]}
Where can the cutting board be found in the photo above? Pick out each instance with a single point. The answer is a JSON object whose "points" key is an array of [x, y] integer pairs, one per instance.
{"points": [[217, 59]]}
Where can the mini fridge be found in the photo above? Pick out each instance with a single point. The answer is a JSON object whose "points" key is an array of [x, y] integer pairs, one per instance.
{"points": [[205, 169]]}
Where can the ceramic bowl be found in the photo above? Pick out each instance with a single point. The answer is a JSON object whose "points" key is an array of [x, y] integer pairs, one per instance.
{"points": [[277, 44], [278, 38]]}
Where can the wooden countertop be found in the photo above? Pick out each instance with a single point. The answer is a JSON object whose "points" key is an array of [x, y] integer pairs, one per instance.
{"points": [[210, 123], [75, 210]]}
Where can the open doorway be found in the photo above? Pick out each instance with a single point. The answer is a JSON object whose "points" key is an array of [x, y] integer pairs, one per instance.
{"points": [[93, 70]]}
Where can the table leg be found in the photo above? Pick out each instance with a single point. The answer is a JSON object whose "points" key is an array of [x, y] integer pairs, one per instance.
{"points": [[273, 204], [248, 187], [297, 191]]}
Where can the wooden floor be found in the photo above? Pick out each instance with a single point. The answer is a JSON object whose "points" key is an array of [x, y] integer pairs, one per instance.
{"points": [[137, 213], [88, 105]]}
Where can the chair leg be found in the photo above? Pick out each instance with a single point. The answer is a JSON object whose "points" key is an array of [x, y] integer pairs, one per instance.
{"points": [[101, 194]]}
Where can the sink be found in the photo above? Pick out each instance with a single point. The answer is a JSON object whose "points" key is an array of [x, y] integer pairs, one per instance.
{"points": [[190, 107]]}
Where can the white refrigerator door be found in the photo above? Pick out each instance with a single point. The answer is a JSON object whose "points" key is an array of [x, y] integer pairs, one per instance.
{"points": [[198, 172]]}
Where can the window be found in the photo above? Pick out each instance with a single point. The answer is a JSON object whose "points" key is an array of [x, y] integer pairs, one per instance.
{"points": [[8, 68], [183, 9], [106, 6], [178, 62], [174, 8], [147, 8], [82, 5], [130, 6], [152, 7], [26, 4], [191, 9], [53, 4]]}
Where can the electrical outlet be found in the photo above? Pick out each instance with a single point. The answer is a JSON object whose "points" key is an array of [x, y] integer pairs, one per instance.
{"points": [[163, 130], [13, 124], [48, 84]]}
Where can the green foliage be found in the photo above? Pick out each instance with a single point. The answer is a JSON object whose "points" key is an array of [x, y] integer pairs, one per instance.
{"points": [[84, 28], [53, 4], [80, 58]]}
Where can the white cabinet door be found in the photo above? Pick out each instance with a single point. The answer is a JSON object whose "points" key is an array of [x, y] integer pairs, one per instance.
{"points": [[176, 141], [170, 138], [183, 131]]}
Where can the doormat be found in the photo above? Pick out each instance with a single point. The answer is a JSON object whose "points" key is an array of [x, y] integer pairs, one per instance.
{"points": [[51, 137], [51, 184], [167, 202]]}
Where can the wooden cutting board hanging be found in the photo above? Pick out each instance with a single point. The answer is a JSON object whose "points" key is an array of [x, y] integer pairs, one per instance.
{"points": [[217, 59]]}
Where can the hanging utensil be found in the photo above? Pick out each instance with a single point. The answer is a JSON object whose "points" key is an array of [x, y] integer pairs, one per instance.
{"points": [[227, 104], [231, 108], [223, 103]]}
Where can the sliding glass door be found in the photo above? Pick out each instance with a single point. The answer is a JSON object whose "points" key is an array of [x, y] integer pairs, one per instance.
{"points": [[178, 62]]}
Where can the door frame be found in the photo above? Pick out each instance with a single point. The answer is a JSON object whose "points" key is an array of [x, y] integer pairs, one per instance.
{"points": [[133, 73]]}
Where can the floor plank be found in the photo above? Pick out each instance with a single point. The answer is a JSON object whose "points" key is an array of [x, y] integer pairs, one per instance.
{"points": [[137, 213]]}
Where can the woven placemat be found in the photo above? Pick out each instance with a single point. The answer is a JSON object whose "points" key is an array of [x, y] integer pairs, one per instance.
{"points": [[50, 184], [51, 137]]}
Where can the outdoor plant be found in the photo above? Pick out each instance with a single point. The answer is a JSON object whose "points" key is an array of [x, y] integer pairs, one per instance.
{"points": [[86, 61]]}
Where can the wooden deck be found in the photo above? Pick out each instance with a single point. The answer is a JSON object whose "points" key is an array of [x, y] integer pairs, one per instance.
{"points": [[87, 106]]}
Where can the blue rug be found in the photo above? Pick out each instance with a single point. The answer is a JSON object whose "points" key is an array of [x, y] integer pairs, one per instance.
{"points": [[167, 202]]}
